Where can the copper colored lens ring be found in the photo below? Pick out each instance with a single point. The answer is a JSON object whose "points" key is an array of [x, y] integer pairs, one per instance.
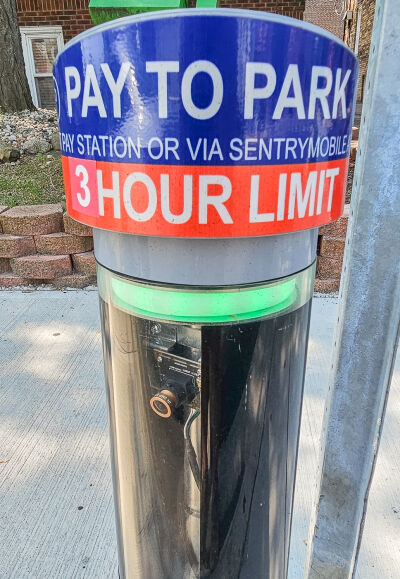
{"points": [[167, 399]]}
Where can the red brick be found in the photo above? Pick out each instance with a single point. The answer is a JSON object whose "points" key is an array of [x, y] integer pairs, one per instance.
{"points": [[42, 266], [328, 268], [84, 263], [12, 280], [353, 150], [337, 228], [324, 14], [75, 228], [4, 265], [16, 245], [326, 286], [62, 243], [32, 219], [332, 247], [75, 280]]}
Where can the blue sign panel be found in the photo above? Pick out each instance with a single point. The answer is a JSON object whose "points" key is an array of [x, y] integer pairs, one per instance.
{"points": [[210, 88]]}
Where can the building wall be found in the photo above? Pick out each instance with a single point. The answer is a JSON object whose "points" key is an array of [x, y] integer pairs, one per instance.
{"points": [[72, 15], [293, 8], [322, 13], [366, 10], [367, 19], [350, 26]]}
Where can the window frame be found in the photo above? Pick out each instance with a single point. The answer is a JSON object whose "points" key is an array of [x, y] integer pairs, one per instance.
{"points": [[358, 30], [29, 33]]}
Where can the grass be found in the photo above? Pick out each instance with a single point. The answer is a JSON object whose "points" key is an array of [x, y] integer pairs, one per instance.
{"points": [[32, 181]]}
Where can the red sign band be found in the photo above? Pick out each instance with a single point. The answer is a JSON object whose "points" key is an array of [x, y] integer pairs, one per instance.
{"points": [[204, 201]]}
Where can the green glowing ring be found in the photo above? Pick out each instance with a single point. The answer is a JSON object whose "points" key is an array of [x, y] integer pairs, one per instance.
{"points": [[206, 306]]}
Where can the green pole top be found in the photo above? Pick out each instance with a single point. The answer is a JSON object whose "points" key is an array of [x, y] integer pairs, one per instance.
{"points": [[207, 3], [105, 10]]}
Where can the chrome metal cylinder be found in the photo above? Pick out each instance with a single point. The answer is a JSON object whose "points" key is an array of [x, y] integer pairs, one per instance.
{"points": [[203, 482]]}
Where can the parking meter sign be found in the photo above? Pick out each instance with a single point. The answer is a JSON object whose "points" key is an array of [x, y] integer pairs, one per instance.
{"points": [[219, 123]]}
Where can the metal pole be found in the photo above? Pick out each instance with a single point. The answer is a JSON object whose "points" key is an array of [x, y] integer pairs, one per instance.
{"points": [[368, 322]]}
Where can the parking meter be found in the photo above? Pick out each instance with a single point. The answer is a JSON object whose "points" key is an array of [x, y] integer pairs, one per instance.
{"points": [[205, 147]]}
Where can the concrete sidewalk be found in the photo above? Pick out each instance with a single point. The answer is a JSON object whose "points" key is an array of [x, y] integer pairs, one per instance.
{"points": [[56, 510]]}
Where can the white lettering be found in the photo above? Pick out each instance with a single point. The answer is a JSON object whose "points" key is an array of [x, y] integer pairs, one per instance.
{"points": [[320, 93], [296, 194], [338, 95], [236, 152], [154, 154], [162, 68], [120, 153], [95, 99], [255, 216], [216, 201], [331, 174], [151, 193], [215, 149], [218, 89], [81, 170], [321, 186], [171, 146], [187, 200], [116, 86], [109, 193], [71, 72], [280, 214], [194, 152], [251, 92], [292, 81]]}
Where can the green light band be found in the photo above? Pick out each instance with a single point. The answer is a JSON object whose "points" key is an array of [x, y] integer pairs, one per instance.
{"points": [[206, 305], [202, 306]]}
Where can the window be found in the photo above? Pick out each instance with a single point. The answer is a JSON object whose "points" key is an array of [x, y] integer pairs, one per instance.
{"points": [[40, 46]]}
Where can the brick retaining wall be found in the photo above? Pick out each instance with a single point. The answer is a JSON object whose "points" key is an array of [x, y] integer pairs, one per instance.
{"points": [[39, 244]]}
